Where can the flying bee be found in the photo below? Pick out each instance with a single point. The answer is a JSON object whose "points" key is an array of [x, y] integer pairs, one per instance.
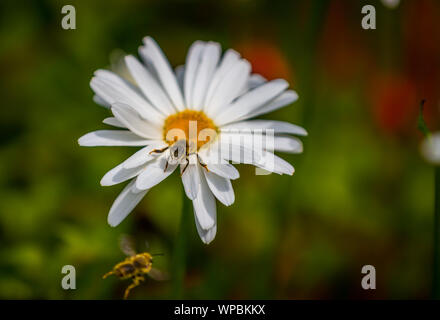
{"points": [[135, 266], [179, 152]]}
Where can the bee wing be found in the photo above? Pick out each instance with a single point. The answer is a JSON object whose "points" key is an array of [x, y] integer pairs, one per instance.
{"points": [[158, 275], [147, 245], [126, 243]]}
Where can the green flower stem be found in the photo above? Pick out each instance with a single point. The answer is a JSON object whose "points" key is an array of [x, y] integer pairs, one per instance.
{"points": [[436, 260], [436, 232], [180, 248]]}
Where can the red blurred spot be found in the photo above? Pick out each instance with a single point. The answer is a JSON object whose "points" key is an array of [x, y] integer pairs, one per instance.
{"points": [[395, 105], [266, 59], [342, 52]]}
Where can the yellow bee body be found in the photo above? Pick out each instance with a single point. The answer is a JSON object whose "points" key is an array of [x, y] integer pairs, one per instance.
{"points": [[134, 267]]}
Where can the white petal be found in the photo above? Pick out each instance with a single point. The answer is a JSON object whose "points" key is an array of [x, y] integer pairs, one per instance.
{"points": [[208, 63], [219, 166], [204, 204], [206, 235], [154, 173], [134, 189], [143, 156], [273, 163], [277, 126], [191, 66], [124, 204], [132, 120], [150, 66], [288, 144], [224, 170], [245, 153], [229, 59], [101, 101], [113, 89], [114, 77], [250, 101], [166, 75], [239, 148], [190, 179], [220, 187], [119, 174], [180, 74], [282, 100], [229, 87], [255, 80], [111, 138], [112, 121], [149, 86]]}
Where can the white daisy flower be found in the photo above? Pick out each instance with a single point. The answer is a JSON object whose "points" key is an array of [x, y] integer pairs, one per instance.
{"points": [[430, 148], [187, 118], [392, 4]]}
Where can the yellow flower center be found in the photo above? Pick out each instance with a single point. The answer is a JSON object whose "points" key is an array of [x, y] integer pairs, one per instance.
{"points": [[190, 125]]}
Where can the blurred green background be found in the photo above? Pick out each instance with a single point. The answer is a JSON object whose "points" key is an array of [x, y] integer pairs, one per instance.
{"points": [[361, 193]]}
